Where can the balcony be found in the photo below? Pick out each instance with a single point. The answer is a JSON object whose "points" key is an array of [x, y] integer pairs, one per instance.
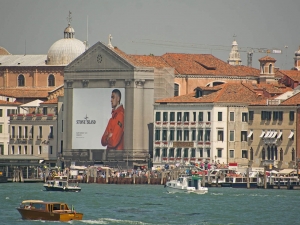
{"points": [[172, 124], [208, 124], [165, 124], [207, 143], [186, 123], [171, 159]]}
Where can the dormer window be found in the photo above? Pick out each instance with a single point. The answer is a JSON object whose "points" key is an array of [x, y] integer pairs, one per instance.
{"points": [[198, 93]]}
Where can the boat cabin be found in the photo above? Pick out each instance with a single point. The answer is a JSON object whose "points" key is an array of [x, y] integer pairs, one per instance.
{"points": [[44, 206]]}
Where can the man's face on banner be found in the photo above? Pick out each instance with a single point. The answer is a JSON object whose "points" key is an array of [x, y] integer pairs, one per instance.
{"points": [[115, 99]]}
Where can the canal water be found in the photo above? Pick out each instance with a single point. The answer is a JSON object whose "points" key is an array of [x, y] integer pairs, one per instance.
{"points": [[151, 204]]}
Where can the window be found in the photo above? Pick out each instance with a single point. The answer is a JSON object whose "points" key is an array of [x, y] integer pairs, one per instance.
{"points": [[270, 68], [263, 154], [251, 115], [243, 135], [207, 135], [208, 152], [244, 154], [1, 149], [200, 135], [62, 125], [231, 116], [11, 112], [280, 115], [201, 152], [40, 150], [1, 128], [178, 153], [179, 118], [172, 116], [251, 153], [157, 152], [165, 116], [19, 150], [21, 80], [186, 135], [164, 135], [200, 116], [186, 117], [25, 150], [176, 89], [157, 116], [171, 152], [193, 135], [31, 151], [164, 152], [157, 135], [186, 153], [220, 135], [281, 155], [1, 112], [208, 116], [275, 115], [244, 117], [19, 132], [12, 150], [45, 110], [194, 117], [179, 135], [51, 80], [193, 153], [231, 154], [51, 132], [231, 135], [172, 136], [219, 153], [219, 116], [292, 115], [50, 149], [266, 115]]}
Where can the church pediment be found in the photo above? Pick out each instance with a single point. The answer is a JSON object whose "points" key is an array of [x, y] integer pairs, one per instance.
{"points": [[99, 57]]}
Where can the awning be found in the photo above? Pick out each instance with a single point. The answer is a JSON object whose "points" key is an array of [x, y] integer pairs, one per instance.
{"points": [[270, 134], [286, 171], [279, 135], [267, 134], [291, 135], [250, 134], [262, 134], [274, 134]]}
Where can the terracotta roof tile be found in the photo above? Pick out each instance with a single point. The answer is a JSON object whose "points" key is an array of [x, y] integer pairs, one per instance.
{"points": [[293, 74], [6, 103], [50, 101], [267, 58], [25, 92], [230, 92], [294, 100]]}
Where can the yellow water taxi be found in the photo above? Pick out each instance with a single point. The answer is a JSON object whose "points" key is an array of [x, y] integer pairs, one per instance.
{"points": [[54, 211]]}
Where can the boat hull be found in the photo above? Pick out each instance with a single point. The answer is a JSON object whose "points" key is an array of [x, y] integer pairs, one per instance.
{"points": [[66, 189], [179, 190], [51, 216]]}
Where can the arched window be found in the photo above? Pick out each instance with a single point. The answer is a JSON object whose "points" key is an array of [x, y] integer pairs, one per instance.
{"points": [[176, 89], [281, 154], [263, 154], [51, 80], [269, 153], [21, 80], [251, 153], [293, 155], [275, 152], [270, 68]]}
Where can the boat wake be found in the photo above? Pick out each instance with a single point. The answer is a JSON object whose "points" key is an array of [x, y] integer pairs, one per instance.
{"points": [[112, 221]]}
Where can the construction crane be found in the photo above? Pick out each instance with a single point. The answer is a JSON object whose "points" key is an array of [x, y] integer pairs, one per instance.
{"points": [[248, 50]]}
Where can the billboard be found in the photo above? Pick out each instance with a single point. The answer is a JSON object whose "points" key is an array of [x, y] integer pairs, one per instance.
{"points": [[98, 118]]}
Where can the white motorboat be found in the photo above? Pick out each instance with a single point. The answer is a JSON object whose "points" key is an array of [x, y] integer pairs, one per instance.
{"points": [[186, 184], [60, 183]]}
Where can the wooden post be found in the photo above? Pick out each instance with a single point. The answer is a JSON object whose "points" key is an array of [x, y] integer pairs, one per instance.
{"points": [[265, 178], [248, 178], [162, 178], [148, 175], [203, 180], [106, 176]]}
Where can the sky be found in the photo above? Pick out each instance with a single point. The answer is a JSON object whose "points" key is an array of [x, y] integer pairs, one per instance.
{"points": [[157, 26]]}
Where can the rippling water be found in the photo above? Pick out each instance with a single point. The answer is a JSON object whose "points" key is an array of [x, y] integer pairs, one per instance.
{"points": [[151, 204]]}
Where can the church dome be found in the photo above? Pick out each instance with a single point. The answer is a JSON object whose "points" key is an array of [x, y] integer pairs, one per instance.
{"points": [[297, 53], [65, 50]]}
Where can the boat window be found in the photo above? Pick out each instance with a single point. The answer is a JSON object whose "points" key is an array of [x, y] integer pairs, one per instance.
{"points": [[56, 206], [39, 206], [62, 207]]}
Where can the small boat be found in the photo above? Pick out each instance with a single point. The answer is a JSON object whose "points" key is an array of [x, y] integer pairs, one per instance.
{"points": [[61, 183], [54, 211], [186, 184]]}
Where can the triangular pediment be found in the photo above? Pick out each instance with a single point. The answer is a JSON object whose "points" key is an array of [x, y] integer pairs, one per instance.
{"points": [[99, 57]]}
